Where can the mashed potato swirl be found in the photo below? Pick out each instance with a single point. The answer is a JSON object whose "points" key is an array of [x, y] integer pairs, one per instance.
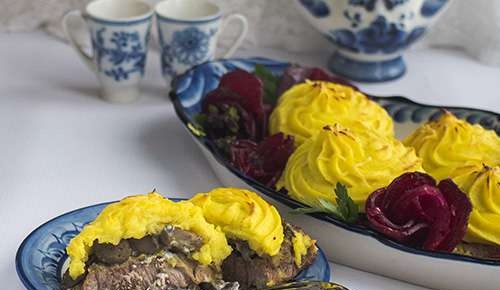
{"points": [[482, 185], [362, 160], [449, 143], [244, 215], [306, 108], [141, 215]]}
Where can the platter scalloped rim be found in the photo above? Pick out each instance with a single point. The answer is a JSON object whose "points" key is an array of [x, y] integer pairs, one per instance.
{"points": [[41, 257], [466, 272]]}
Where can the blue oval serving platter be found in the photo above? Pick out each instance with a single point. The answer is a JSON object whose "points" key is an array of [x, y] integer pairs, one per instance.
{"points": [[41, 257], [352, 245]]}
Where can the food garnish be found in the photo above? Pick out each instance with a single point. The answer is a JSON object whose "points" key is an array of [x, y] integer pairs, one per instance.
{"points": [[296, 74], [414, 210], [345, 208], [362, 160], [235, 108], [449, 143], [306, 108], [264, 161], [270, 84]]}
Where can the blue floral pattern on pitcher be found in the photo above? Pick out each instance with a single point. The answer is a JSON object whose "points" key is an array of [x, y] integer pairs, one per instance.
{"points": [[431, 7], [126, 56], [361, 28], [317, 8], [380, 36], [369, 5]]}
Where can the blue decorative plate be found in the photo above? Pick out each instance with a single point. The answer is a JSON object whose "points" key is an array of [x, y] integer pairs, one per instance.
{"points": [[373, 251], [41, 256]]}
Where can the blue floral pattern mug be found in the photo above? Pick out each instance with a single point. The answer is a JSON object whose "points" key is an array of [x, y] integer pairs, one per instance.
{"points": [[188, 32], [119, 30]]}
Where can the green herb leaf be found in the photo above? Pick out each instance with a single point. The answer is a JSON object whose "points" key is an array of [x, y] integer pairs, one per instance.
{"points": [[345, 209], [270, 82], [326, 208], [305, 210]]}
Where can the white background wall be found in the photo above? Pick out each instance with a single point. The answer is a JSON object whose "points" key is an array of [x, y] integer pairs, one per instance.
{"points": [[473, 25]]}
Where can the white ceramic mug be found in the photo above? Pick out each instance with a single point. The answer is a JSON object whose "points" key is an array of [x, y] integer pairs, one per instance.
{"points": [[120, 31], [188, 31]]}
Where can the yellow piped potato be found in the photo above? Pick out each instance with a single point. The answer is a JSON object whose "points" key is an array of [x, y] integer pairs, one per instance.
{"points": [[306, 108], [482, 184], [360, 159], [244, 215], [449, 143], [301, 244], [142, 215]]}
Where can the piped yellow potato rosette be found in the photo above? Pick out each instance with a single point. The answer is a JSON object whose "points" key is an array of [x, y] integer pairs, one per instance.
{"points": [[142, 215], [449, 143], [255, 228], [244, 215], [482, 184], [360, 159], [306, 108]]}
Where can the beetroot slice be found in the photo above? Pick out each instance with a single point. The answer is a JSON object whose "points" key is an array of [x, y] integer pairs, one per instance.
{"points": [[292, 75], [414, 211], [220, 96], [264, 161], [295, 74], [460, 209], [246, 85], [250, 126], [242, 151], [318, 74], [275, 151], [243, 90], [422, 203], [379, 222], [404, 182]]}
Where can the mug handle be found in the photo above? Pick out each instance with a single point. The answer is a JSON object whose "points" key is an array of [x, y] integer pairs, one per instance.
{"points": [[243, 32], [67, 21]]}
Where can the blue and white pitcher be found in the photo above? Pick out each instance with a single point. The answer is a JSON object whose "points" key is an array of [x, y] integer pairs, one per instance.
{"points": [[370, 35]]}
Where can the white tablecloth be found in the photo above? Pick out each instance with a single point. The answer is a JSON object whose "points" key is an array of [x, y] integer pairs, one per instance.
{"points": [[62, 148]]}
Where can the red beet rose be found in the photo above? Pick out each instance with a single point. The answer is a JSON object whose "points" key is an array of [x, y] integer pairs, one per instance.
{"points": [[295, 74], [414, 211], [264, 161], [246, 85], [240, 92]]}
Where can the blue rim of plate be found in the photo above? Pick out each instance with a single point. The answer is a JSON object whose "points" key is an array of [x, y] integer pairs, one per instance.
{"points": [[319, 270], [399, 114]]}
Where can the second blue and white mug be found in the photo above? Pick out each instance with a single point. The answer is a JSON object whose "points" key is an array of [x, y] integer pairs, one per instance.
{"points": [[188, 31]]}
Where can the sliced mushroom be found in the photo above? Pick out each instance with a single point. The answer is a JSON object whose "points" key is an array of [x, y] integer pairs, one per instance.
{"points": [[146, 245], [178, 240], [111, 254]]}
